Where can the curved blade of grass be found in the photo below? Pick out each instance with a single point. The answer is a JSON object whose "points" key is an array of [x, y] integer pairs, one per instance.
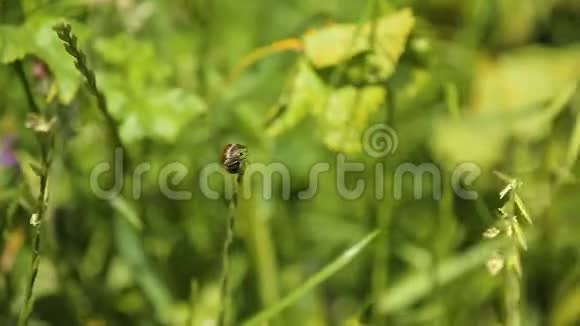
{"points": [[574, 146], [313, 281], [422, 283], [522, 208], [128, 212]]}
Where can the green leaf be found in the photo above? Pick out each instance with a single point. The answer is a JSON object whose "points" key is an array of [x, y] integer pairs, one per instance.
{"points": [[482, 137], [535, 126], [313, 281], [391, 36], [308, 92], [332, 45], [172, 110], [524, 77], [346, 116], [479, 139], [136, 69], [161, 116], [14, 44], [36, 37], [342, 114]]}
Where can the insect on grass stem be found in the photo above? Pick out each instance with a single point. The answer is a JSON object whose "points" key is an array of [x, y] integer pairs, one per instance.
{"points": [[233, 159]]}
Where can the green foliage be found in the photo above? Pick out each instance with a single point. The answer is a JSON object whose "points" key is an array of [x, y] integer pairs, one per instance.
{"points": [[135, 70], [490, 83], [35, 37]]}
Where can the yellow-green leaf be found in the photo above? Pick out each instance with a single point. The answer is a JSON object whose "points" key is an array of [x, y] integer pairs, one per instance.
{"points": [[331, 45], [308, 93], [346, 116]]}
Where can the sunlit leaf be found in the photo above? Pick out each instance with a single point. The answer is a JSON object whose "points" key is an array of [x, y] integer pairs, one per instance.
{"points": [[342, 114], [481, 137], [391, 36], [525, 77], [474, 139], [331, 45], [346, 116], [308, 92]]}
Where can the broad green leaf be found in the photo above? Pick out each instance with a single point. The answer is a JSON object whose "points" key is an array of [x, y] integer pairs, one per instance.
{"points": [[164, 112], [332, 45], [391, 36], [532, 127], [347, 114], [36, 37], [481, 137], [14, 43], [524, 77], [342, 114], [171, 112], [162, 116], [313, 281], [308, 92]]}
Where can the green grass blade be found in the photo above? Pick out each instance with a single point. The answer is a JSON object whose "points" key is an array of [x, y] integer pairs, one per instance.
{"points": [[522, 208], [520, 236], [503, 177], [128, 212], [422, 283], [313, 281], [574, 146]]}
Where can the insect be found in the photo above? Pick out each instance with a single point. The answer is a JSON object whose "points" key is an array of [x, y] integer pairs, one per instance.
{"points": [[233, 157]]}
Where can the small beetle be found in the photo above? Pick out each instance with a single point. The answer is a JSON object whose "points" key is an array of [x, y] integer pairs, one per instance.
{"points": [[233, 157]]}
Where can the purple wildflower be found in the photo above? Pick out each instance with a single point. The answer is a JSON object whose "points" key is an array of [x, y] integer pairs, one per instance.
{"points": [[7, 156]]}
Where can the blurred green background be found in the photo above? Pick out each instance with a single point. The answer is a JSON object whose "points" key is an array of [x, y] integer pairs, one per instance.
{"points": [[490, 82]]}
